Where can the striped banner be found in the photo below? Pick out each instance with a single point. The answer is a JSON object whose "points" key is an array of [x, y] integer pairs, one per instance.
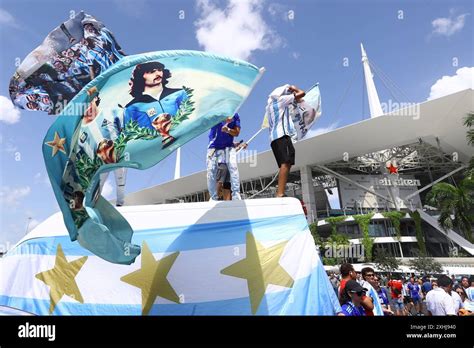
{"points": [[213, 258]]}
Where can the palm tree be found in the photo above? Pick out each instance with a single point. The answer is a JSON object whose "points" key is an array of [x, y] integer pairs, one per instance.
{"points": [[455, 205], [469, 122]]}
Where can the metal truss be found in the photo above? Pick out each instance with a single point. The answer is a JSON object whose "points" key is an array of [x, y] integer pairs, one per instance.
{"points": [[417, 158], [414, 158]]}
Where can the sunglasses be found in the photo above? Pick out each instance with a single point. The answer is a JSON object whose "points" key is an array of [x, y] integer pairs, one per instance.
{"points": [[359, 293], [370, 275]]}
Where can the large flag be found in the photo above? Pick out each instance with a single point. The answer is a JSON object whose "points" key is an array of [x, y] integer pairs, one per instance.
{"points": [[116, 111], [254, 257], [70, 57], [307, 112], [134, 115], [304, 114]]}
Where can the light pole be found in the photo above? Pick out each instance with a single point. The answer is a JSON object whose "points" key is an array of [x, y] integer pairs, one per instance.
{"points": [[28, 225]]}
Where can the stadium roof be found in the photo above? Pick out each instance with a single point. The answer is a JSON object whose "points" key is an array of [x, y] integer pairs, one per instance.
{"points": [[438, 122]]}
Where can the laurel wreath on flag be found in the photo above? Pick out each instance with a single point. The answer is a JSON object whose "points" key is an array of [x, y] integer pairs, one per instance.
{"points": [[86, 167], [132, 132], [186, 108], [79, 217]]}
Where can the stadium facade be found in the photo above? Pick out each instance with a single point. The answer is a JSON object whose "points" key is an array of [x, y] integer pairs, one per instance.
{"points": [[388, 162]]}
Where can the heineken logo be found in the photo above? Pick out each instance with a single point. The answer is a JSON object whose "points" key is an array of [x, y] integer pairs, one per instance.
{"points": [[399, 182]]}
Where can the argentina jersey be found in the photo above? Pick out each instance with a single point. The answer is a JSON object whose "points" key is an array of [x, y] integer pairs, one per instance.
{"points": [[106, 37], [470, 293], [99, 56], [101, 128], [280, 122]]}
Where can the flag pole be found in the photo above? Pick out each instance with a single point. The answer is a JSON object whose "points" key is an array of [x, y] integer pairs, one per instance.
{"points": [[253, 137]]}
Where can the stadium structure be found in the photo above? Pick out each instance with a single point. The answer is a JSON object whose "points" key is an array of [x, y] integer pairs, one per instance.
{"points": [[387, 162]]}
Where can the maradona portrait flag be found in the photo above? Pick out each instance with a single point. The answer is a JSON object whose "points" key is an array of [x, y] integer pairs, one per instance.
{"points": [[252, 257], [134, 115], [116, 111]]}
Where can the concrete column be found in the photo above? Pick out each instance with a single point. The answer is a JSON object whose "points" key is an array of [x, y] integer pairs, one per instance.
{"points": [[307, 190]]}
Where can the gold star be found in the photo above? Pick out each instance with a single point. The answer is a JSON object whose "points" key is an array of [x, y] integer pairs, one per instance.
{"points": [[61, 280], [260, 267], [57, 144], [151, 278]]}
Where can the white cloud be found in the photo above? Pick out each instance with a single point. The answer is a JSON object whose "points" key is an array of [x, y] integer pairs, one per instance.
{"points": [[8, 112], [463, 79], [447, 26], [107, 190], [237, 31], [7, 19], [321, 130], [11, 196]]}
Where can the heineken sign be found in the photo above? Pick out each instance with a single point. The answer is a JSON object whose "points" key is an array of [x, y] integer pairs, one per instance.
{"points": [[392, 187], [399, 182]]}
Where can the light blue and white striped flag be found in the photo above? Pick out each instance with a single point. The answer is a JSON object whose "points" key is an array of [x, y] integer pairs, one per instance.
{"points": [[214, 258]]}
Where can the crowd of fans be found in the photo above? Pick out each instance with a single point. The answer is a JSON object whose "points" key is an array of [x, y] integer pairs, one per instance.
{"points": [[367, 292]]}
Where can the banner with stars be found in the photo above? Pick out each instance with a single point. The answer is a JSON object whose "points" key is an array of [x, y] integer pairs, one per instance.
{"points": [[253, 257]]}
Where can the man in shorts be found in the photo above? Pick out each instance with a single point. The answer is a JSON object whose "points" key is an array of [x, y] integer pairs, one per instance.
{"points": [[222, 170], [281, 105], [415, 294], [396, 287]]}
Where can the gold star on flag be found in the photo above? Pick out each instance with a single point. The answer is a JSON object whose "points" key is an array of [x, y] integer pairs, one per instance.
{"points": [[151, 278], [57, 144], [61, 278], [260, 267]]}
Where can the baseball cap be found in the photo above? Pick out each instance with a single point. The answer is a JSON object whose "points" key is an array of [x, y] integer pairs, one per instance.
{"points": [[353, 286]]}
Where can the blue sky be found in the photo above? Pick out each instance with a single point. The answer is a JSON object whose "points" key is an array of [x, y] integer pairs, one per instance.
{"points": [[415, 43]]}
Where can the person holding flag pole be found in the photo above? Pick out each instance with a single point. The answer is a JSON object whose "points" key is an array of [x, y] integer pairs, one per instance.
{"points": [[222, 170], [243, 145], [289, 118], [279, 113]]}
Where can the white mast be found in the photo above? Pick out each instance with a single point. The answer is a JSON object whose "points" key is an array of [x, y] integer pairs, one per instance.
{"points": [[177, 168], [374, 101]]}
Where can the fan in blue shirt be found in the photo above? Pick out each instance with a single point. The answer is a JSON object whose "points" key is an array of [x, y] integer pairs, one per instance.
{"points": [[222, 170]]}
